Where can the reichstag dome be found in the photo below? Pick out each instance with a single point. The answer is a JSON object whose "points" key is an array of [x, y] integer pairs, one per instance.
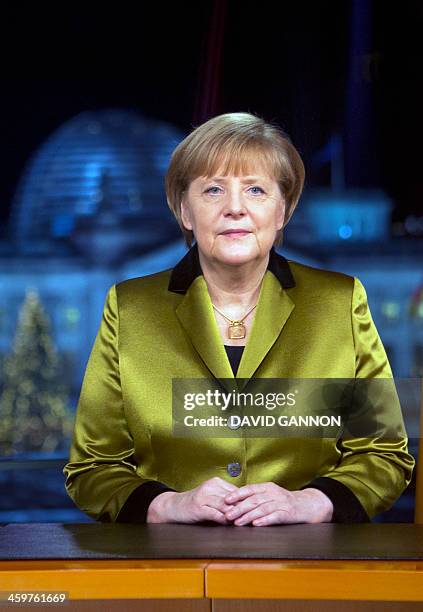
{"points": [[104, 168]]}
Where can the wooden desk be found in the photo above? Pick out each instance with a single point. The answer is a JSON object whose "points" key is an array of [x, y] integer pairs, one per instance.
{"points": [[192, 567], [329, 580]]}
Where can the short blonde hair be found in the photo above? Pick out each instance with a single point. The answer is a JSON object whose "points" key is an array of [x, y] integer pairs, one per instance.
{"points": [[233, 143]]}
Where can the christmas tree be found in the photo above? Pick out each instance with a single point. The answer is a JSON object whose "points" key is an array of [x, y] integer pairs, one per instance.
{"points": [[34, 414]]}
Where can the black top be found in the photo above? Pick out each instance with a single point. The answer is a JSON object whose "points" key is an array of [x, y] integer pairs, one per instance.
{"points": [[234, 354]]}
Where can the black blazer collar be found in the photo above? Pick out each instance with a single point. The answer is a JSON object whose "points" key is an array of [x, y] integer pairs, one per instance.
{"points": [[188, 268]]}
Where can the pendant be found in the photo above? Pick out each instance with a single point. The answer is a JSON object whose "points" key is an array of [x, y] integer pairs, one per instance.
{"points": [[236, 330]]}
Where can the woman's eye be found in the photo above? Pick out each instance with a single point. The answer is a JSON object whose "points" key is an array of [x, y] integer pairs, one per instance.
{"points": [[213, 190], [256, 190]]}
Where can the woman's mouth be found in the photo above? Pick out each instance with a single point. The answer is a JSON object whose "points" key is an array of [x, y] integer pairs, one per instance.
{"points": [[235, 234]]}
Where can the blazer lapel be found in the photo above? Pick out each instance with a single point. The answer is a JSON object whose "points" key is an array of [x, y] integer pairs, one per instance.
{"points": [[196, 315], [273, 310]]}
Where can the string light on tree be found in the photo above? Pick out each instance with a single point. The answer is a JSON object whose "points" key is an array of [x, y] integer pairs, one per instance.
{"points": [[34, 413]]}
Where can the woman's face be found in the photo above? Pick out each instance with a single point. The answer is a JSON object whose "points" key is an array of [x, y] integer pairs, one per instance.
{"points": [[234, 218]]}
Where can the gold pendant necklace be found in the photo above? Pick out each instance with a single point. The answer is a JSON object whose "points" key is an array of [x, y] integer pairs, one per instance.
{"points": [[236, 329]]}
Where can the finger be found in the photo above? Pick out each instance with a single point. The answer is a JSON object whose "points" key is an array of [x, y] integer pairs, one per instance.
{"points": [[217, 501], [277, 517], [240, 494], [218, 484], [228, 486], [258, 512], [246, 491], [245, 506], [211, 514], [223, 482]]}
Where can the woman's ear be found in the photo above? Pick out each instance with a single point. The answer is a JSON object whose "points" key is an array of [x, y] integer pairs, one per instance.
{"points": [[185, 215], [280, 214]]}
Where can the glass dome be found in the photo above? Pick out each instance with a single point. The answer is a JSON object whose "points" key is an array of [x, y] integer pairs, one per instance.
{"points": [[62, 182]]}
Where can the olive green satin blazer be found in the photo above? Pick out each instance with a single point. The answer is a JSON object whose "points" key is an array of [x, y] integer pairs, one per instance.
{"points": [[309, 323]]}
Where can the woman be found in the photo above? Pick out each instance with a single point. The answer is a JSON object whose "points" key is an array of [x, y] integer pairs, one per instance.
{"points": [[231, 307]]}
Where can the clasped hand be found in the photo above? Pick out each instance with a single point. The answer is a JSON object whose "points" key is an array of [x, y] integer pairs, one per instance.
{"points": [[257, 504]]}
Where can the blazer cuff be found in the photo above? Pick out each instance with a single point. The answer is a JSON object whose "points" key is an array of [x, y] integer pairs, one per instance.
{"points": [[346, 506], [135, 509]]}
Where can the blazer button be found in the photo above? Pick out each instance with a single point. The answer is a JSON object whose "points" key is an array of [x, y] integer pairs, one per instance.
{"points": [[234, 469]]}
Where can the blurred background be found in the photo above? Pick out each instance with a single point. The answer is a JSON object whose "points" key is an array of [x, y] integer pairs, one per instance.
{"points": [[94, 100]]}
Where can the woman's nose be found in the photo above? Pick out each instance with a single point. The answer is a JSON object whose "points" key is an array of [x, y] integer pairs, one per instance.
{"points": [[235, 203]]}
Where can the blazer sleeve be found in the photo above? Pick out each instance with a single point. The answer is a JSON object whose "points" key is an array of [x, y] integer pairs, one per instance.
{"points": [[373, 471], [101, 476]]}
